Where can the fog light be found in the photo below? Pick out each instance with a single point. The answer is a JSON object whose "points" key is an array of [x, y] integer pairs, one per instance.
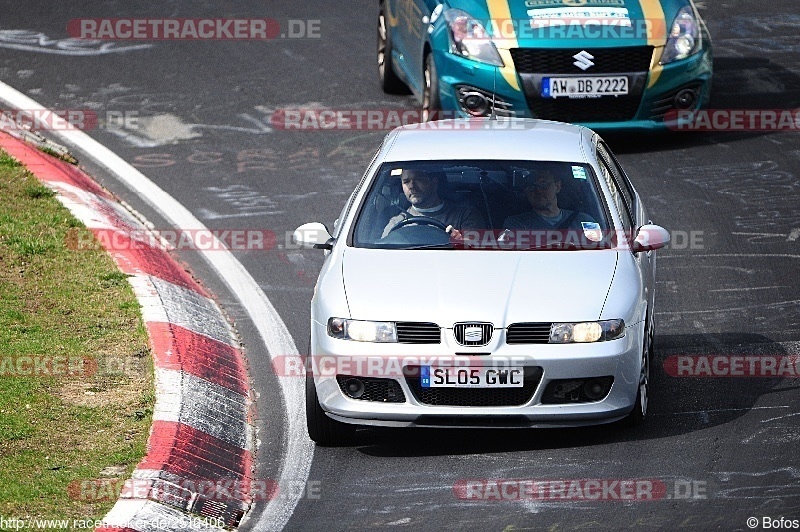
{"points": [[685, 99], [595, 389], [354, 388], [475, 103]]}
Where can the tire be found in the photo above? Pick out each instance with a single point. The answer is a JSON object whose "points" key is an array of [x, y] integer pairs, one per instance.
{"points": [[639, 413], [390, 81], [431, 103], [325, 431]]}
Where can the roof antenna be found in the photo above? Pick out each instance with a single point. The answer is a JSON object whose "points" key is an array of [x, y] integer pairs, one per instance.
{"points": [[493, 116]]}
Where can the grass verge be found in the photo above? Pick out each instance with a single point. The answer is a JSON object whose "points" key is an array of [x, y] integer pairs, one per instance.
{"points": [[76, 390]]}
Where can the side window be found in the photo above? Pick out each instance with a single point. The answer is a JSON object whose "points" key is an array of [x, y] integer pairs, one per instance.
{"points": [[616, 197], [621, 182]]}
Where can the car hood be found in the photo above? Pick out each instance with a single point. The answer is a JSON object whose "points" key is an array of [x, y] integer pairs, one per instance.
{"points": [[449, 286], [658, 14]]}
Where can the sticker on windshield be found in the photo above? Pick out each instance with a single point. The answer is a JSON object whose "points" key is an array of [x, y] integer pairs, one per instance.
{"points": [[397, 171], [548, 3], [584, 16], [592, 231], [579, 172]]}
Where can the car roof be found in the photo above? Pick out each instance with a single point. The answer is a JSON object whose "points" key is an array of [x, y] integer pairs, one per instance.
{"points": [[484, 138]]}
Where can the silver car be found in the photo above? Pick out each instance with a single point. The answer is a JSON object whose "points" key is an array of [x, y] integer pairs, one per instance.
{"points": [[483, 273]]}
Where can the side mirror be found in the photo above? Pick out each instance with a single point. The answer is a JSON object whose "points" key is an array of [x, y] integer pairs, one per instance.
{"points": [[650, 237], [313, 235]]}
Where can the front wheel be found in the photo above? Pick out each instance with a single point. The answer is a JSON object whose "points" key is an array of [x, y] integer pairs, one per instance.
{"points": [[431, 104], [639, 413], [390, 81], [322, 429]]}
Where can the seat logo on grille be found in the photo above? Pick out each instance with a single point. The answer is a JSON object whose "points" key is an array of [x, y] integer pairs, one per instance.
{"points": [[583, 60], [473, 334]]}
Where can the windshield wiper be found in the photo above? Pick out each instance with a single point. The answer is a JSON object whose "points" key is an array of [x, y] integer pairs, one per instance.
{"points": [[561, 246], [445, 245]]}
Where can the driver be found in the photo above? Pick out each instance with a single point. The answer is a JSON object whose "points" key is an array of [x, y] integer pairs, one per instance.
{"points": [[421, 189]]}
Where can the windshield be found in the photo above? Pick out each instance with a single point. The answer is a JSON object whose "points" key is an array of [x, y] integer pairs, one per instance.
{"points": [[501, 205]]}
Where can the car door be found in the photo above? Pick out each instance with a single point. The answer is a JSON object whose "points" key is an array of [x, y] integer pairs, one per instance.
{"points": [[398, 34], [413, 17]]}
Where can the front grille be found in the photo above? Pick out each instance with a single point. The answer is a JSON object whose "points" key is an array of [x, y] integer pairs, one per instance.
{"points": [[560, 61], [528, 333], [409, 332], [381, 390], [464, 333], [474, 396], [608, 109], [533, 64]]}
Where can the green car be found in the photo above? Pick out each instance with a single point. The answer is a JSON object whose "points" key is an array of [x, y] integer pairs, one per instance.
{"points": [[605, 64]]}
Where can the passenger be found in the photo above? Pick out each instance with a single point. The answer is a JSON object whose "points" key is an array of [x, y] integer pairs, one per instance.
{"points": [[421, 189], [542, 193]]}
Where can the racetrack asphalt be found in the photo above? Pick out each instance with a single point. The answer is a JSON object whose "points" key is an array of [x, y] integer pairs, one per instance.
{"points": [[206, 138]]}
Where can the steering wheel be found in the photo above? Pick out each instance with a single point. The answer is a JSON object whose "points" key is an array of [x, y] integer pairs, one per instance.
{"points": [[419, 220]]}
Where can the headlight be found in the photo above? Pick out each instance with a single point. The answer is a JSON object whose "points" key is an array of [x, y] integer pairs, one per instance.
{"points": [[362, 331], [469, 38], [684, 37], [589, 331]]}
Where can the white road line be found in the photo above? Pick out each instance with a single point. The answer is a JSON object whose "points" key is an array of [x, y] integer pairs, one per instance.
{"points": [[780, 417], [746, 288], [270, 326], [731, 309]]}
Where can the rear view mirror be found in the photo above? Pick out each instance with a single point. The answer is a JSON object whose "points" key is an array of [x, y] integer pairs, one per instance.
{"points": [[650, 237], [313, 235]]}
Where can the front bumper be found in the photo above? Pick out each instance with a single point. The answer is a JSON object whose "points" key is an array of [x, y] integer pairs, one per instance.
{"points": [[655, 90], [619, 359]]}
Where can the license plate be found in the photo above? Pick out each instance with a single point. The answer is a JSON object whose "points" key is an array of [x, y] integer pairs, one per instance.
{"points": [[594, 87], [463, 377]]}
